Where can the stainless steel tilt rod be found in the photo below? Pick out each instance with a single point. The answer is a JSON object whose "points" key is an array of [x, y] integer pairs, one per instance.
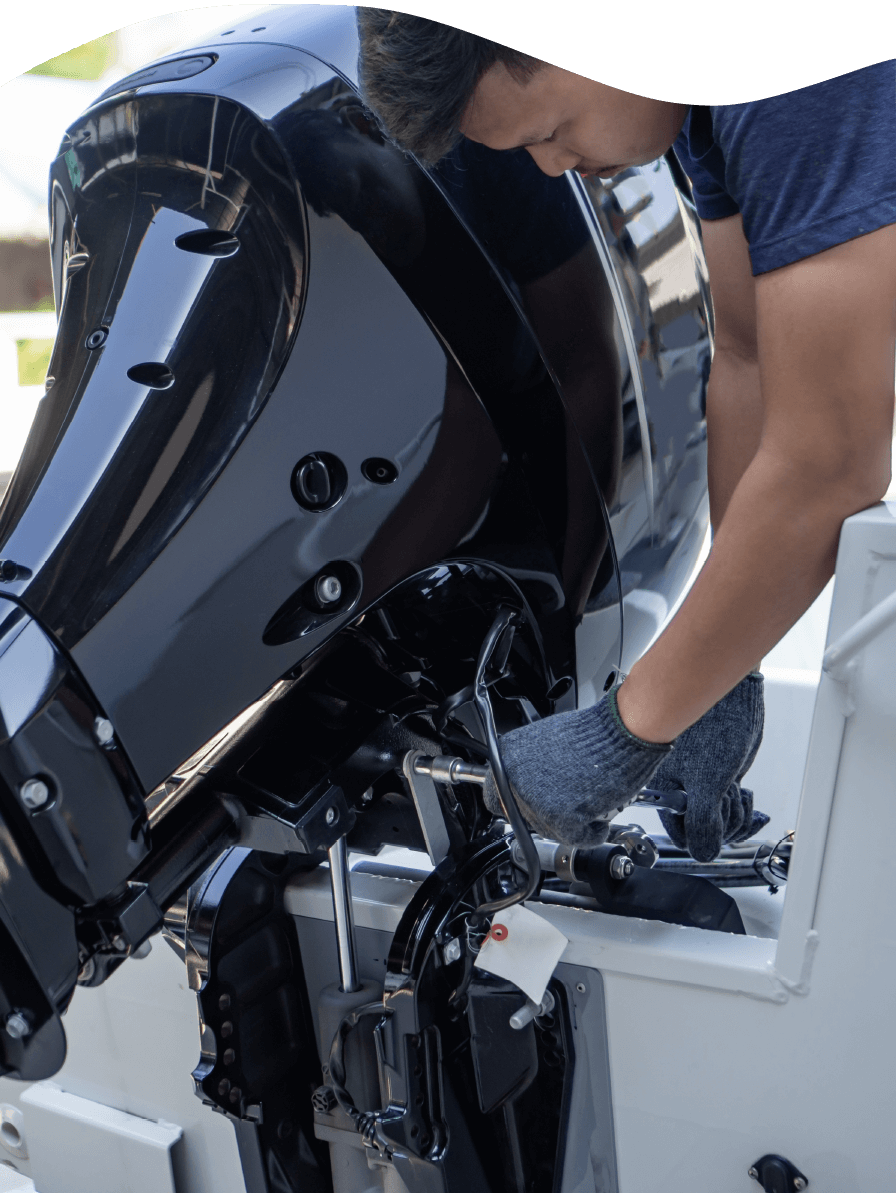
{"points": [[342, 915]]}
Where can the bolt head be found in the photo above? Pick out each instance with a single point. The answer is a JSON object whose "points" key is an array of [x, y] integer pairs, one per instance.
{"points": [[799, 1183], [103, 731], [580, 986], [621, 867], [332, 816], [328, 590], [753, 1174], [453, 950], [34, 793], [17, 1026]]}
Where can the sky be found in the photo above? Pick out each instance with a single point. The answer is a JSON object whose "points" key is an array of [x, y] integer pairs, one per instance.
{"points": [[684, 52]]}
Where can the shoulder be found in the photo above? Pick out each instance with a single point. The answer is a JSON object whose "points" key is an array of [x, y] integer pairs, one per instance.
{"points": [[811, 168]]}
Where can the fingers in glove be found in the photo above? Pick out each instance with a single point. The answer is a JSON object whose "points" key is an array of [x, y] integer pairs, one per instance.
{"points": [[673, 823], [737, 810], [704, 823]]}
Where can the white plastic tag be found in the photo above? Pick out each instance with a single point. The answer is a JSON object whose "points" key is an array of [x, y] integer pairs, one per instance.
{"points": [[523, 948]]}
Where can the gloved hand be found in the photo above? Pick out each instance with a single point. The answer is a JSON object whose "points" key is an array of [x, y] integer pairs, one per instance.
{"points": [[573, 772], [709, 760]]}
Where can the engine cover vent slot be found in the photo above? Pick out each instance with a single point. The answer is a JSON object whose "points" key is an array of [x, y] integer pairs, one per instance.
{"points": [[210, 242], [152, 373]]}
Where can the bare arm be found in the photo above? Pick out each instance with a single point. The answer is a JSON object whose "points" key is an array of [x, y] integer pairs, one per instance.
{"points": [[826, 335], [734, 396]]}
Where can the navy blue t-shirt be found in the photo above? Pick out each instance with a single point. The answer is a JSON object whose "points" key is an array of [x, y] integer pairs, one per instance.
{"points": [[806, 170]]}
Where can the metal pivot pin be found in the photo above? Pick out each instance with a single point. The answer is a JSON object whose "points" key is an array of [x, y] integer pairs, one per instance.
{"points": [[342, 915]]}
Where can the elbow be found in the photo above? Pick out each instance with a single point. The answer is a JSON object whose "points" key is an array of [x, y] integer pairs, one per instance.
{"points": [[844, 479]]}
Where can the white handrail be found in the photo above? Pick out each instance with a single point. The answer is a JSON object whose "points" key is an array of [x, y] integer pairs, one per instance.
{"points": [[867, 628]]}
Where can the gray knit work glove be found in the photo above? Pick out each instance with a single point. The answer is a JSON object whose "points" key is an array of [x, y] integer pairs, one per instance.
{"points": [[709, 760], [573, 772]]}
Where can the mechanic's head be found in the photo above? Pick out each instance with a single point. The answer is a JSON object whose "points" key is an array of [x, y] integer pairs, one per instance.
{"points": [[431, 84]]}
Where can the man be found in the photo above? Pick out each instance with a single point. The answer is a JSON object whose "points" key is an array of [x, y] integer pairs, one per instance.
{"points": [[798, 200]]}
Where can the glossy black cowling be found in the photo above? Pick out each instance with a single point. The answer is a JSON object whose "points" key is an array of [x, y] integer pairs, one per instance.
{"points": [[313, 415]]}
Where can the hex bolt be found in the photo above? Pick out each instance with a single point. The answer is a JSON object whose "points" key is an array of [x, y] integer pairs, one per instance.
{"points": [[103, 731], [452, 951], [620, 866], [332, 816], [328, 590], [799, 1183], [34, 793], [753, 1174], [17, 1026]]}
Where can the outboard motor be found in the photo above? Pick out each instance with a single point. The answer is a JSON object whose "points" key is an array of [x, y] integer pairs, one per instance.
{"points": [[314, 417]]}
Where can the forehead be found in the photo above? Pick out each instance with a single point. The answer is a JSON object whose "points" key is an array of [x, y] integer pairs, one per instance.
{"points": [[504, 113]]}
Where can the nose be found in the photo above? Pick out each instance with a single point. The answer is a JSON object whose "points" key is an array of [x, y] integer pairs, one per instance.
{"points": [[553, 160]]}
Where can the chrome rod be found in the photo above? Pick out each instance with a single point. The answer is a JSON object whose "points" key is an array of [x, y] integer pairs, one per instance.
{"points": [[342, 915], [443, 769]]}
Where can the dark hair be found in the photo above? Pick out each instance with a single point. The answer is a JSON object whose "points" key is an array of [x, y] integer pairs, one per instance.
{"points": [[419, 76]]}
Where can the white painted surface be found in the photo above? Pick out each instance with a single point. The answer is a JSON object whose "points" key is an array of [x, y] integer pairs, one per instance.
{"points": [[12, 1181], [79, 1146]]}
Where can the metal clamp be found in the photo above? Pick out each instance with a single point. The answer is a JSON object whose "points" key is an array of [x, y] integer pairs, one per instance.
{"points": [[426, 801]]}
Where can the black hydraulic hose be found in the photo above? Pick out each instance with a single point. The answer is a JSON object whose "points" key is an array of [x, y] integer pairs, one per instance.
{"points": [[505, 793]]}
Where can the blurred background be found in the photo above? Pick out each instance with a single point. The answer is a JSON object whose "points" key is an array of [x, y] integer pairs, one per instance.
{"points": [[35, 109]]}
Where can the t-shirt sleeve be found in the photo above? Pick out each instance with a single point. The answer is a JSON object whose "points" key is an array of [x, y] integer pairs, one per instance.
{"points": [[813, 168], [702, 161]]}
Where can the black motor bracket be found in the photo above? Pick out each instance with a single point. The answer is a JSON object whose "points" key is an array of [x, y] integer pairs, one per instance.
{"points": [[777, 1175], [650, 894], [259, 1062], [471, 1102]]}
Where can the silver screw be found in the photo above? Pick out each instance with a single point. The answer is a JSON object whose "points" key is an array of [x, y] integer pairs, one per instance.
{"points": [[103, 731], [17, 1026], [332, 816], [799, 1183], [580, 986], [34, 793], [452, 950], [620, 866], [328, 590], [753, 1174]]}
